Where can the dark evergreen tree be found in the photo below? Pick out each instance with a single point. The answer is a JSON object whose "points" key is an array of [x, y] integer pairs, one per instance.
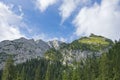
{"points": [[8, 71], [38, 74], [48, 74], [18, 77], [65, 75], [23, 74]]}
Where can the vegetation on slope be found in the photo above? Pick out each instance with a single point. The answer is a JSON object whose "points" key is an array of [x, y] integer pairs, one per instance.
{"points": [[53, 55], [91, 43]]}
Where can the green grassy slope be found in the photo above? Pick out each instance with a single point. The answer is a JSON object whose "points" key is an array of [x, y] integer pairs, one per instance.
{"points": [[92, 43]]}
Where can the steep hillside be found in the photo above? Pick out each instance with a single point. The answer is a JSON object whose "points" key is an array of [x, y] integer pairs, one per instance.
{"points": [[91, 43], [22, 49], [82, 48]]}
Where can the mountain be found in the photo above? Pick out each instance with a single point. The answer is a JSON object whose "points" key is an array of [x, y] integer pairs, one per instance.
{"points": [[24, 49], [92, 43], [80, 49]]}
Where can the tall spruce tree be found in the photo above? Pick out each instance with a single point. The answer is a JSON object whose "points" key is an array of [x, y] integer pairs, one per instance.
{"points": [[23, 74], [65, 75], [48, 75], [8, 71], [18, 77], [38, 74]]}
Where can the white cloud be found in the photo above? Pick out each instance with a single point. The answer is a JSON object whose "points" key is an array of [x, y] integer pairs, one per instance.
{"points": [[58, 38], [99, 19], [44, 4], [20, 9], [63, 39], [40, 36], [69, 6], [46, 38], [66, 8], [9, 23]]}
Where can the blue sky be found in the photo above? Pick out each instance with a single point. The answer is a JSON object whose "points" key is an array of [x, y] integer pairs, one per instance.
{"points": [[63, 20]]}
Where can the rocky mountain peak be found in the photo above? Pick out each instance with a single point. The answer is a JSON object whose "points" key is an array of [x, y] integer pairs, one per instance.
{"points": [[22, 49], [55, 44]]}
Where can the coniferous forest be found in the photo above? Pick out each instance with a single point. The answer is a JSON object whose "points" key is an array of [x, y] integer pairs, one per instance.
{"points": [[104, 67]]}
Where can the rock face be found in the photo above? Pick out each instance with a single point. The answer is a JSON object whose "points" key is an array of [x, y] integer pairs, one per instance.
{"points": [[22, 49], [77, 55], [55, 44]]}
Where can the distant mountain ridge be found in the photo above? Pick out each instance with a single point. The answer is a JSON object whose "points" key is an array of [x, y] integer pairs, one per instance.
{"points": [[24, 49]]}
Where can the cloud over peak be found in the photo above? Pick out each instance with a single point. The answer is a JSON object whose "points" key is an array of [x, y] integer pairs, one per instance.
{"points": [[9, 23], [99, 19]]}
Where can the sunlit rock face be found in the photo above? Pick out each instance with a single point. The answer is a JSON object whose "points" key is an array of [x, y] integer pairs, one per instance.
{"points": [[22, 49]]}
